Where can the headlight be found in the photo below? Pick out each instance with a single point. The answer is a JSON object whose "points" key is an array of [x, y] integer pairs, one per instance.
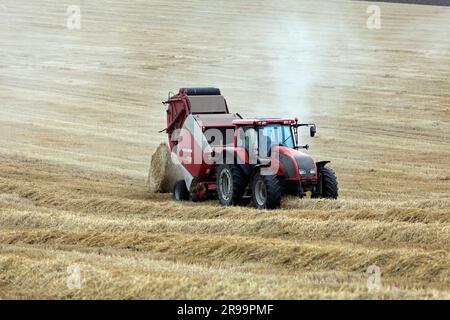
{"points": [[302, 172], [312, 172]]}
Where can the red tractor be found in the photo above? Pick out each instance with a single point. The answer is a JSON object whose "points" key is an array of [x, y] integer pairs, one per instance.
{"points": [[223, 155]]}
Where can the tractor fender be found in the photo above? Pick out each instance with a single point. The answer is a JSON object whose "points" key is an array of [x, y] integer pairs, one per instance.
{"points": [[321, 164]]}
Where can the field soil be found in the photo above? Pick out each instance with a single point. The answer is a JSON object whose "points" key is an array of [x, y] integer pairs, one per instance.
{"points": [[80, 112]]}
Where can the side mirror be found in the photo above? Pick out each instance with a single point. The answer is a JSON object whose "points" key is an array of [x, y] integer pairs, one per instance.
{"points": [[312, 131]]}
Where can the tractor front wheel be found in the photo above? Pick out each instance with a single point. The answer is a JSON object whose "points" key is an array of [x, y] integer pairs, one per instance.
{"points": [[231, 184], [328, 184], [266, 191]]}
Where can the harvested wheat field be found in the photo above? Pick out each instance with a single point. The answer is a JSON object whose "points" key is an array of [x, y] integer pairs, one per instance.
{"points": [[80, 112]]}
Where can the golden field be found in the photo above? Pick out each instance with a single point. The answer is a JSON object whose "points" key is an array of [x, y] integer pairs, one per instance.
{"points": [[80, 112]]}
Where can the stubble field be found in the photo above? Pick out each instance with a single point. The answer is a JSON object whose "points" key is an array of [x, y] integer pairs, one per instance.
{"points": [[79, 118]]}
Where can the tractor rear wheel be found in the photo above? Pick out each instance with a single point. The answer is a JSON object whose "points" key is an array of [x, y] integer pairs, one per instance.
{"points": [[180, 191], [231, 184], [267, 191], [329, 185]]}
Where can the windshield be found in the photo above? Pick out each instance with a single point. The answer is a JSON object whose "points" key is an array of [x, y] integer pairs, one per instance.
{"points": [[278, 134], [269, 135]]}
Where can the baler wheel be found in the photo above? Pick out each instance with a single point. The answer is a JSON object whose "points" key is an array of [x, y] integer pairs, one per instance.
{"points": [[267, 191], [180, 191], [231, 184]]}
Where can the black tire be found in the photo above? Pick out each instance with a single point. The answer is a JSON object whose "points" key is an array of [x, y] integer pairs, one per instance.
{"points": [[329, 184], [235, 187], [272, 193], [193, 197], [180, 191]]}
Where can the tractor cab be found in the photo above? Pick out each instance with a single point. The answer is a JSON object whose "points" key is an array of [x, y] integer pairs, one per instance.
{"points": [[262, 135]]}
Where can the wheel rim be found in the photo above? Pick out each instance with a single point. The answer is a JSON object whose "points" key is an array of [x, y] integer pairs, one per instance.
{"points": [[226, 184], [260, 193]]}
